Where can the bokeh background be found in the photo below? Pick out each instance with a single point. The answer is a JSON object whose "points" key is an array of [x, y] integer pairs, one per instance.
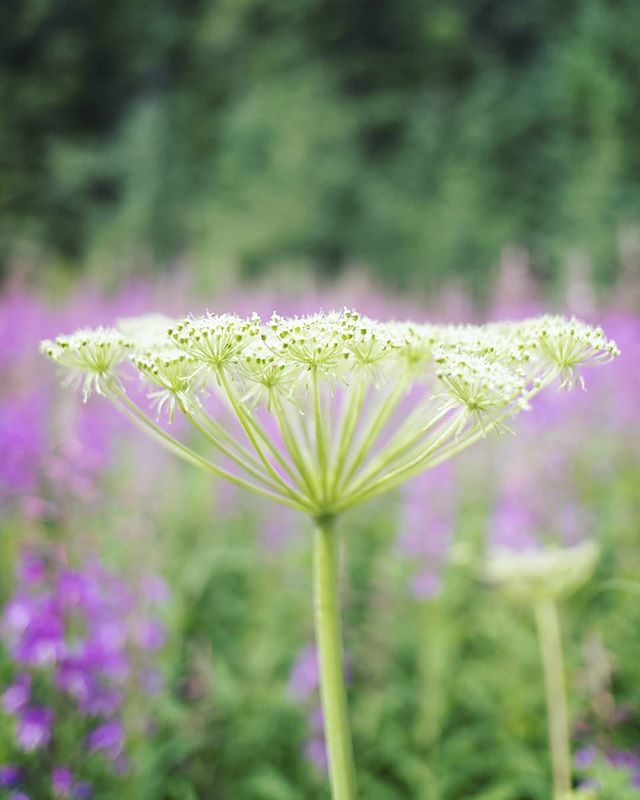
{"points": [[461, 161]]}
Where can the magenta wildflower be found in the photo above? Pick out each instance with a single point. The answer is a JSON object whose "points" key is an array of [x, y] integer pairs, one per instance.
{"points": [[316, 752], [107, 738], [34, 728], [304, 676], [32, 569], [61, 782], [17, 695], [82, 791], [10, 775]]}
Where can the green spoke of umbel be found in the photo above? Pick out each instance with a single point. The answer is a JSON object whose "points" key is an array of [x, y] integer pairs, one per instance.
{"points": [[322, 412]]}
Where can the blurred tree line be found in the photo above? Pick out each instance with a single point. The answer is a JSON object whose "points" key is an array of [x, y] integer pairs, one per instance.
{"points": [[420, 137]]}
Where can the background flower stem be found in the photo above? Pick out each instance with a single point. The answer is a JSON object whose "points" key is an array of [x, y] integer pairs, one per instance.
{"points": [[550, 641], [329, 641]]}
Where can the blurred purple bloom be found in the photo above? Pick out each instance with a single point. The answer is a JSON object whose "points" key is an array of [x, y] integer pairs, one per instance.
{"points": [[18, 796], [77, 590], [17, 614], [304, 676], [82, 790], [427, 526], [316, 751], [10, 775], [103, 702], [628, 761], [426, 585], [512, 526], [107, 738], [61, 782], [42, 642], [23, 441], [17, 695], [151, 681], [155, 589], [316, 719], [150, 635], [584, 757], [34, 728], [32, 569]]}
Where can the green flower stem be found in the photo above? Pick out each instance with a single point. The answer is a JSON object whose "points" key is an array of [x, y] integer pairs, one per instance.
{"points": [[329, 642], [546, 614]]}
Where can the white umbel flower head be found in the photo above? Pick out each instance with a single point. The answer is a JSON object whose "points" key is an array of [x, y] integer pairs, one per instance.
{"points": [[177, 376], [324, 411], [484, 388], [569, 345], [92, 357], [533, 575], [215, 340]]}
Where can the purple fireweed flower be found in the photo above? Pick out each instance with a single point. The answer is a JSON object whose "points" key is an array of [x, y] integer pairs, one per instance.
{"points": [[584, 757], [18, 796], [103, 702], [32, 569], [33, 730], [61, 782], [18, 614], [17, 695], [78, 591], [10, 775], [149, 635], [107, 738], [82, 790], [316, 752], [427, 526], [151, 681], [304, 676], [23, 442], [426, 584], [628, 761], [42, 642], [625, 760], [155, 589], [512, 525]]}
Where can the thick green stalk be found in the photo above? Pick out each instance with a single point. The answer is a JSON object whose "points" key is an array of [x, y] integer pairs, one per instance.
{"points": [[546, 614], [329, 642]]}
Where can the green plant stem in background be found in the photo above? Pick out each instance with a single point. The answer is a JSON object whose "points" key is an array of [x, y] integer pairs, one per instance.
{"points": [[550, 640], [329, 642]]}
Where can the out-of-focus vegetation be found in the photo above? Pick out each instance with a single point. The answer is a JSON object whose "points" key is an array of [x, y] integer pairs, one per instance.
{"points": [[420, 137], [445, 679]]}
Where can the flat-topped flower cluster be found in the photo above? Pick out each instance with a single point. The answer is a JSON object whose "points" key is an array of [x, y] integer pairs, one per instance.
{"points": [[323, 411]]}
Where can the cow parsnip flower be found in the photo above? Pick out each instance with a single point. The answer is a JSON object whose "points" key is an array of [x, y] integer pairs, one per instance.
{"points": [[360, 406], [539, 579], [326, 411], [530, 576]]}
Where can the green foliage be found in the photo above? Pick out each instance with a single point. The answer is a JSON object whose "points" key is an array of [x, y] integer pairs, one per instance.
{"points": [[420, 137]]}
